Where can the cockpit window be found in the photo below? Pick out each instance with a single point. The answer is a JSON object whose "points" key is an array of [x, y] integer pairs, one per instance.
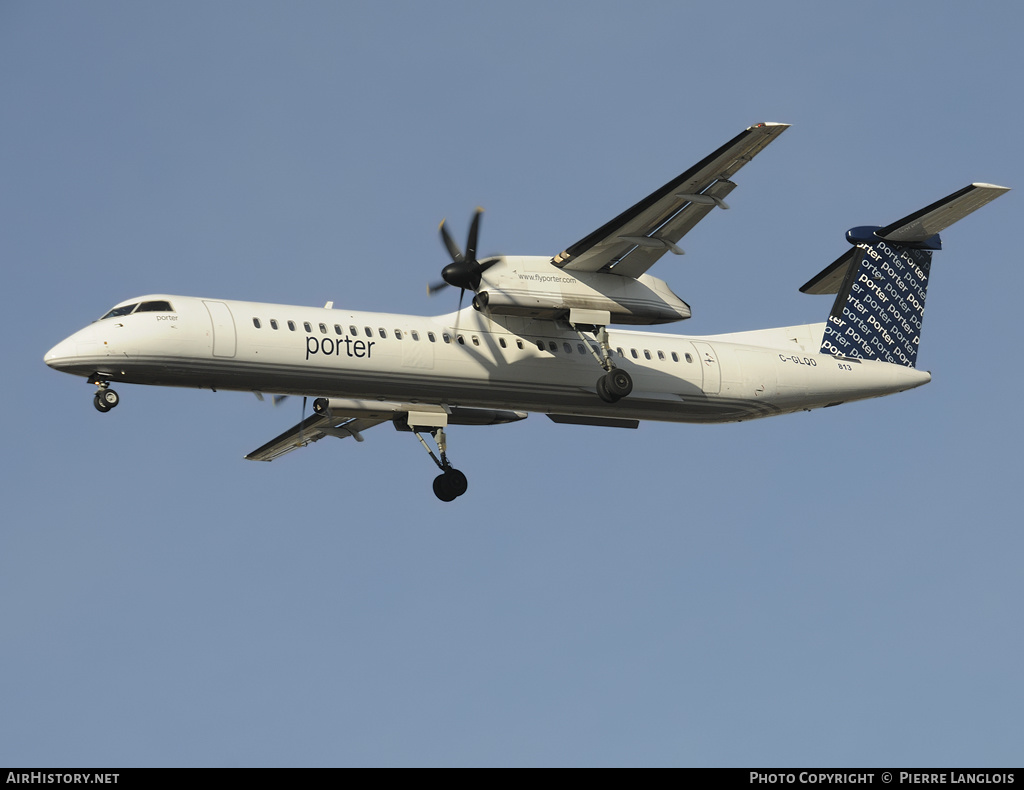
{"points": [[119, 311], [155, 307]]}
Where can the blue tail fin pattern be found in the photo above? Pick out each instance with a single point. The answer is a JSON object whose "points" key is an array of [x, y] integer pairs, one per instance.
{"points": [[878, 312]]}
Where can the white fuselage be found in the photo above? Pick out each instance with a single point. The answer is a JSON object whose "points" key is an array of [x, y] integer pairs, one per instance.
{"points": [[470, 360]]}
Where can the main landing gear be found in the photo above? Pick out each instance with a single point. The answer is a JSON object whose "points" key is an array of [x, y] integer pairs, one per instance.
{"points": [[616, 383], [105, 398], [451, 483]]}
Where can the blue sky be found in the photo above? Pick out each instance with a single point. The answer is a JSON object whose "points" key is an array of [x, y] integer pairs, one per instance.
{"points": [[835, 588]]}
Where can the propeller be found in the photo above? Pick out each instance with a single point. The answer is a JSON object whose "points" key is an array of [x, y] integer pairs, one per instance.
{"points": [[465, 271], [277, 399]]}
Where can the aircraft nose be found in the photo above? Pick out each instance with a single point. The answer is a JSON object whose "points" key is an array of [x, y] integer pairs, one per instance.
{"points": [[61, 354], [68, 353]]}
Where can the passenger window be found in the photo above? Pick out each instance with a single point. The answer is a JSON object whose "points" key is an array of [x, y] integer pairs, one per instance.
{"points": [[256, 322], [382, 332], [353, 331], [519, 344], [306, 326], [501, 342], [398, 334], [415, 335], [291, 325], [661, 355], [633, 352], [580, 348], [552, 345], [368, 331], [273, 323], [447, 338], [647, 354], [476, 340], [567, 347], [689, 358], [621, 352], [461, 339], [675, 357], [337, 330], [430, 337], [323, 329]]}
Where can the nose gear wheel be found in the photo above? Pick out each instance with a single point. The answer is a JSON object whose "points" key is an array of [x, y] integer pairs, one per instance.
{"points": [[105, 398]]}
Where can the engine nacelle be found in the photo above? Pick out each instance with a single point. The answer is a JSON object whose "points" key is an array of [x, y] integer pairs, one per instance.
{"points": [[534, 288]]}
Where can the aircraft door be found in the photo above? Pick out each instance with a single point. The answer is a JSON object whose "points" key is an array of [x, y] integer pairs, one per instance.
{"points": [[709, 366], [758, 375], [223, 329], [417, 353]]}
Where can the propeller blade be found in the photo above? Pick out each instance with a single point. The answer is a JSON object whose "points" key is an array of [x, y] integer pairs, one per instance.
{"points": [[277, 399], [433, 288], [474, 230], [458, 314], [488, 263], [449, 243]]}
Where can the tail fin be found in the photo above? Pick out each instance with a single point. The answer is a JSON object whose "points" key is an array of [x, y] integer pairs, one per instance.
{"points": [[882, 281]]}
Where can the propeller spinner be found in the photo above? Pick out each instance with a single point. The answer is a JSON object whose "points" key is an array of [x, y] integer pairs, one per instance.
{"points": [[465, 270]]}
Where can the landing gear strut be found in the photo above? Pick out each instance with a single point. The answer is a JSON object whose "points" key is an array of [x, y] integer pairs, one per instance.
{"points": [[616, 383], [451, 483], [105, 398]]}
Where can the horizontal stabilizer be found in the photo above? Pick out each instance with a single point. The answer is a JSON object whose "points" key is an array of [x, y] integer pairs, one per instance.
{"points": [[918, 229], [923, 224], [830, 279]]}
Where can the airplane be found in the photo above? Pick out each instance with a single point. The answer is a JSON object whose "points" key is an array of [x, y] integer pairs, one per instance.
{"points": [[537, 335]]}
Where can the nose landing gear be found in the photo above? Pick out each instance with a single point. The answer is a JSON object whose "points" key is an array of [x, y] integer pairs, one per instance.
{"points": [[105, 398]]}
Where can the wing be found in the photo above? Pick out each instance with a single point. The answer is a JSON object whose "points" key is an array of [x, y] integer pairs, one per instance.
{"points": [[313, 429], [632, 242]]}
